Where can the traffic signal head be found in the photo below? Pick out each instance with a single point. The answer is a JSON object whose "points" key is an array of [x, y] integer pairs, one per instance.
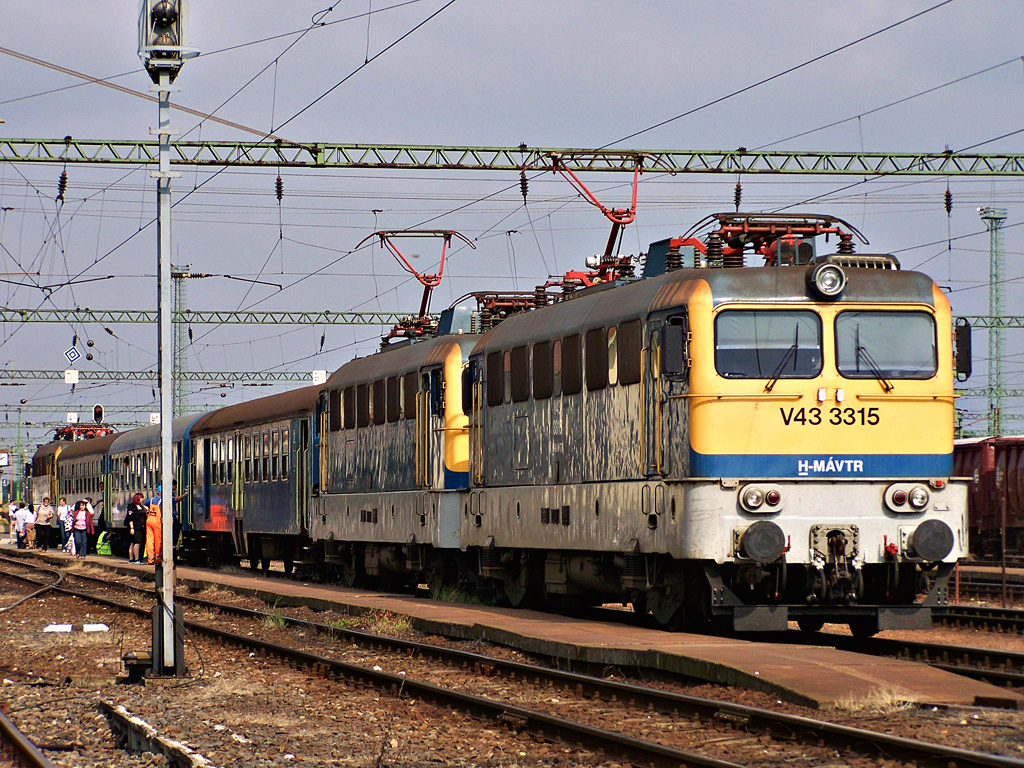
{"points": [[162, 36], [97, 413]]}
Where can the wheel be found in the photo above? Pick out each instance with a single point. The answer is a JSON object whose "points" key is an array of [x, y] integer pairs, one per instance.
{"points": [[348, 574], [666, 601], [439, 574], [864, 626], [810, 623], [521, 583]]}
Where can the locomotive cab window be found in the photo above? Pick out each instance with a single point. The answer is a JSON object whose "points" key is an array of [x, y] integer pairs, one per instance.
{"points": [[865, 347], [437, 392], [495, 379], [673, 346], [468, 379], [767, 344], [519, 374]]}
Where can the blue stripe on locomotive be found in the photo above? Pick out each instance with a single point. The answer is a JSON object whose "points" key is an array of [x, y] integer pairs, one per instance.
{"points": [[821, 466]]}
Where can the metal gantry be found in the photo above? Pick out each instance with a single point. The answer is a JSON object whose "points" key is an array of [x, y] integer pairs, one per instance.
{"points": [[994, 218], [212, 317], [209, 377], [436, 157], [179, 274]]}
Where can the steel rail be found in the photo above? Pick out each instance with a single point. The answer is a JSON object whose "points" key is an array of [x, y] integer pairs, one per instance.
{"points": [[16, 749], [777, 724], [276, 154]]}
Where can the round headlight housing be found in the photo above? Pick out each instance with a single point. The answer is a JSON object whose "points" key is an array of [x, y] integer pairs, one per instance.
{"points": [[918, 497], [752, 498], [827, 280], [899, 497]]}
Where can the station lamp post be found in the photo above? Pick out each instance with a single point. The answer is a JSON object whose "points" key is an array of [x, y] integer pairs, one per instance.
{"points": [[162, 49]]}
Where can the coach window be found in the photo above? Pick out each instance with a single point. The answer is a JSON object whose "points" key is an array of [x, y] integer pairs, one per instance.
{"points": [[256, 463], [284, 453], [275, 453], [543, 378], [362, 405], [231, 459], [629, 352], [223, 462], [597, 358], [613, 355], [409, 395], [767, 344], [519, 374], [266, 456], [865, 347], [334, 409], [248, 458], [349, 403], [394, 399], [379, 401], [572, 379], [495, 379]]}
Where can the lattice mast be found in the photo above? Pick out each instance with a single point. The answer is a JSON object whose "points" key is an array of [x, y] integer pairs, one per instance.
{"points": [[994, 219]]}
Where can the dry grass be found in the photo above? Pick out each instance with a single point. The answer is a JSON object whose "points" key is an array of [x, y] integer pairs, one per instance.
{"points": [[386, 623], [881, 701]]}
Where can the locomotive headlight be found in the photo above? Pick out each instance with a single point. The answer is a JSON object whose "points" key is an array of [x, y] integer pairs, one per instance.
{"points": [[752, 498], [918, 498], [827, 280]]}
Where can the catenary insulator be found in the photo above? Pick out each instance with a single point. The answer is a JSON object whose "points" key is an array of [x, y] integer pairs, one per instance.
{"points": [[62, 185], [190, 334], [737, 195], [323, 338], [279, 187], [74, 340], [949, 202], [524, 185]]}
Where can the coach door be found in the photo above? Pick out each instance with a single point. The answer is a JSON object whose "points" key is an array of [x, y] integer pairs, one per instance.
{"points": [[430, 428], [666, 438], [301, 471]]}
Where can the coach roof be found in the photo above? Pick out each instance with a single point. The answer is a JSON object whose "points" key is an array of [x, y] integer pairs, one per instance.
{"points": [[284, 405]]}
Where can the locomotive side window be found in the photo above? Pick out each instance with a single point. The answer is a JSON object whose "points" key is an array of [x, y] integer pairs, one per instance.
{"points": [[409, 395], [572, 379], [349, 407], [865, 348], [613, 355], [767, 344], [362, 406], [520, 374], [334, 409], [629, 346], [284, 453], [495, 379], [394, 400], [379, 401], [437, 392], [543, 375], [597, 359], [673, 345]]}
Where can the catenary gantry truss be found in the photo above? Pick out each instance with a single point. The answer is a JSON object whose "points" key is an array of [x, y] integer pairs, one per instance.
{"points": [[420, 157], [213, 317]]}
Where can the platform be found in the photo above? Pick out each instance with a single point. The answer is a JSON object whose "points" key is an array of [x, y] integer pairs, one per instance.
{"points": [[811, 675]]}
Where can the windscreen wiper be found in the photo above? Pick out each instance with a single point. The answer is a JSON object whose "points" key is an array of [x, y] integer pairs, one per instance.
{"points": [[778, 369], [875, 369]]}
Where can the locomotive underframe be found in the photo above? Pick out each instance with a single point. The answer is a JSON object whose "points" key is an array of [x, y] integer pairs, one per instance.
{"points": [[674, 548]]}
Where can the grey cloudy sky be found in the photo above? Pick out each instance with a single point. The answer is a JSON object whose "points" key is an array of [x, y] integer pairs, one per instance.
{"points": [[557, 74]]}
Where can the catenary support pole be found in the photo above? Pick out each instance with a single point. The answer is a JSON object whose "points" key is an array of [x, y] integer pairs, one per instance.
{"points": [[171, 664]]}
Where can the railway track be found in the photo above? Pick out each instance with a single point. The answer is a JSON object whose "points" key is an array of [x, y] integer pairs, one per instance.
{"points": [[17, 750], [983, 617], [743, 719]]}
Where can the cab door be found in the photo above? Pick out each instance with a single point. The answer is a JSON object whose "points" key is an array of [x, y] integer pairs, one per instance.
{"points": [[666, 384], [430, 428]]}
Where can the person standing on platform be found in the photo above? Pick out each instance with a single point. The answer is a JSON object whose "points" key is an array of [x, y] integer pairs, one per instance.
{"points": [[82, 527], [20, 516], [154, 535], [63, 514], [135, 519], [44, 524], [30, 528], [12, 512]]}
